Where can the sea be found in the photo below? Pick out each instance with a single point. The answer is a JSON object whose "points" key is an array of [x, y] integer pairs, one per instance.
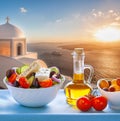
{"points": [[105, 61]]}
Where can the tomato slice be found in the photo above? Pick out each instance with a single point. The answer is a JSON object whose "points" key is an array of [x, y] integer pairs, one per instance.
{"points": [[23, 82]]}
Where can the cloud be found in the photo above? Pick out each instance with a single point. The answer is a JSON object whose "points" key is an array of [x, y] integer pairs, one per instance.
{"points": [[80, 25], [111, 11], [23, 10], [76, 16], [96, 19], [102, 17], [94, 14], [100, 13], [59, 20], [97, 13]]}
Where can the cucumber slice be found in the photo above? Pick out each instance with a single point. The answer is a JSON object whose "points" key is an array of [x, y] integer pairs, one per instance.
{"points": [[18, 71], [30, 80], [22, 69], [55, 69]]}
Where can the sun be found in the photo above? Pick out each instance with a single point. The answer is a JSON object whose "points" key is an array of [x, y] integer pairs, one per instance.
{"points": [[108, 34]]}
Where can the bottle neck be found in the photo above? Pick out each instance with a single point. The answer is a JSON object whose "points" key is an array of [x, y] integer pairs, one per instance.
{"points": [[78, 78], [78, 68], [78, 64]]}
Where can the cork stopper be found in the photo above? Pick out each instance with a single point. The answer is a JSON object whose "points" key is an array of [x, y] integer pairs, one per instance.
{"points": [[79, 51]]}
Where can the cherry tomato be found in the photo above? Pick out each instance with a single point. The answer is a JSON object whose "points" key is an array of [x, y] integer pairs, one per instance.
{"points": [[99, 103], [12, 78], [23, 82], [84, 103], [46, 83]]}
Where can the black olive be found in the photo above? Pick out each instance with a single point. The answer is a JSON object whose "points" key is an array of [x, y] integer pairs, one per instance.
{"points": [[58, 76], [10, 72], [16, 84], [52, 73], [35, 83]]}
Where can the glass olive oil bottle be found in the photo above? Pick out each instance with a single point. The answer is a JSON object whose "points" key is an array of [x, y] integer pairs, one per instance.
{"points": [[78, 87]]}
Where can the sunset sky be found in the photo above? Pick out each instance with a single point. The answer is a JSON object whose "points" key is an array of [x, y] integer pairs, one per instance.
{"points": [[64, 20]]}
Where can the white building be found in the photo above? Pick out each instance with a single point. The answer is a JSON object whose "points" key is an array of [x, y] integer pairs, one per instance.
{"points": [[13, 42], [13, 49]]}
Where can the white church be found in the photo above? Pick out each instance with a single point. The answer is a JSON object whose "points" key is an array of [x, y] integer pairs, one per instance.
{"points": [[13, 49], [13, 42]]}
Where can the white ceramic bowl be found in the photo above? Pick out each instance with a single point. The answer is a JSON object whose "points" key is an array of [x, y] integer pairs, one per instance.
{"points": [[33, 97], [113, 97]]}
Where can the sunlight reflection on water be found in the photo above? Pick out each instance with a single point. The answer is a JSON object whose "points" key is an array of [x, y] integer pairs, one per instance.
{"points": [[106, 62]]}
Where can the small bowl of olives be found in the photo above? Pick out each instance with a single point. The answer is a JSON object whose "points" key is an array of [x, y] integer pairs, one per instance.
{"points": [[110, 88]]}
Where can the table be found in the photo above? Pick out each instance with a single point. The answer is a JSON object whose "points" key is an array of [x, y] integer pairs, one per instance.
{"points": [[57, 110]]}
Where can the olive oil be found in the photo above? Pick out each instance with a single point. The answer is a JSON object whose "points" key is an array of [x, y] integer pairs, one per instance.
{"points": [[78, 87], [78, 78]]}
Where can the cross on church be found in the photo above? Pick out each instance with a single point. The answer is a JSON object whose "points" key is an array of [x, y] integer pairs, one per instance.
{"points": [[7, 19]]}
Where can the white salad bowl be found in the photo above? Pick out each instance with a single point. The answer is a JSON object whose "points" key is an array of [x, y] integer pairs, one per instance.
{"points": [[33, 97]]}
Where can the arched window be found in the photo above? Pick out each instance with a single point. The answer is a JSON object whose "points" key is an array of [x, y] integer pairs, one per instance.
{"points": [[19, 49]]}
